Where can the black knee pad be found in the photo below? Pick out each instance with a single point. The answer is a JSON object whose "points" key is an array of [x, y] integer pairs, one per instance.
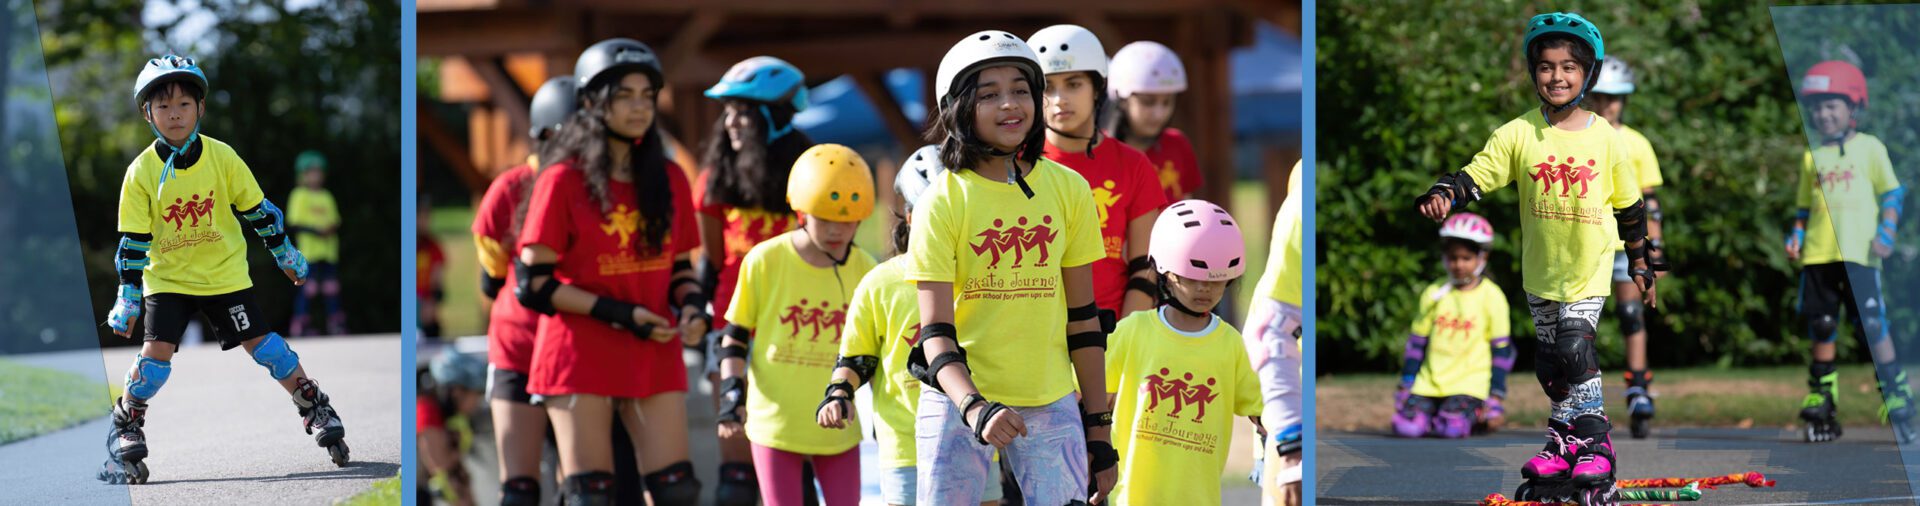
{"points": [[521, 491], [1633, 317], [1547, 370], [1873, 326], [738, 486], [589, 489], [1823, 327], [674, 486], [1573, 351]]}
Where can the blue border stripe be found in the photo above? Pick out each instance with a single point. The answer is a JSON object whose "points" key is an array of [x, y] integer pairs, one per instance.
{"points": [[1308, 120], [409, 201]]}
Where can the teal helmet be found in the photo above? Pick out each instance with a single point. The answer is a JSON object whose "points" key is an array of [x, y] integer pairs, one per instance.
{"points": [[309, 160], [766, 82], [1580, 29]]}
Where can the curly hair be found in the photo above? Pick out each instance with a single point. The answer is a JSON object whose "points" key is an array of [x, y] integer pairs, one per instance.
{"points": [[755, 177], [583, 139]]}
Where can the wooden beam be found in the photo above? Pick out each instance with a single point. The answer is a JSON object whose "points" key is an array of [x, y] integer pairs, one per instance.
{"points": [[497, 31], [508, 97], [691, 38], [874, 85], [448, 147]]}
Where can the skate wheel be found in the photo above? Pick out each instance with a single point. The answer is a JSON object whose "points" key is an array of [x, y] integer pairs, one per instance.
{"points": [[1641, 428], [339, 453], [1598, 497], [139, 475], [1524, 493]]}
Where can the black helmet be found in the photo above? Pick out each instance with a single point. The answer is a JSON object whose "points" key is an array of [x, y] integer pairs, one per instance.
{"points": [[551, 106], [608, 57]]}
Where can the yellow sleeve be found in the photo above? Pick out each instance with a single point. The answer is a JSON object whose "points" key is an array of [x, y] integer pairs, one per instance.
{"points": [[743, 309], [1646, 163], [1083, 227], [864, 333], [1423, 320], [1883, 178], [1492, 167], [333, 210], [297, 208], [1117, 354], [1498, 314], [136, 202], [931, 254], [1246, 387], [1626, 182], [1803, 198], [246, 190]]}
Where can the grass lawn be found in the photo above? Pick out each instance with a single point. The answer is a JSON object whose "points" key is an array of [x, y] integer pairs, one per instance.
{"points": [[37, 400], [384, 492]]}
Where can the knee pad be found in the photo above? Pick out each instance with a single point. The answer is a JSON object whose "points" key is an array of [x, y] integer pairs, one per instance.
{"points": [[146, 377], [273, 354], [1873, 325], [330, 287], [1823, 327], [738, 486], [589, 489], [1632, 317], [1452, 425], [1412, 419], [521, 491], [1573, 352], [674, 486]]}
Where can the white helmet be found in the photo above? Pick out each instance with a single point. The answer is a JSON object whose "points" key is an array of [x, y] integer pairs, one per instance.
{"points": [[1616, 78], [981, 50], [1147, 67], [918, 174], [1069, 48]]}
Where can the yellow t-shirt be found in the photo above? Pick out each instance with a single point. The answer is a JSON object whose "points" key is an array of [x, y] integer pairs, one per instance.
{"points": [[1175, 398], [1003, 253], [1281, 282], [883, 323], [1570, 183], [1646, 166], [199, 244], [796, 312], [1460, 326], [314, 209], [1843, 193]]}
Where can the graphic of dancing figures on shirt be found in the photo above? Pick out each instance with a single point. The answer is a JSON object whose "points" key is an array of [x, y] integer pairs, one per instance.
{"points": [[1183, 391]]}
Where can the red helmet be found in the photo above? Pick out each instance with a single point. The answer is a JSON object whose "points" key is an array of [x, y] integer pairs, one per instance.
{"points": [[1835, 77]]}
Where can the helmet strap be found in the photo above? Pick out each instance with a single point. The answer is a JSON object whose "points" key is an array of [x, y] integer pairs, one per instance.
{"points": [[815, 241], [166, 171], [774, 133]]}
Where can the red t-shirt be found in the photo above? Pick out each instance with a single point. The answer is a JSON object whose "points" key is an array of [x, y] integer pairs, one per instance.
{"points": [[1173, 160], [510, 326], [429, 260], [577, 354], [1124, 187], [427, 414], [742, 229]]}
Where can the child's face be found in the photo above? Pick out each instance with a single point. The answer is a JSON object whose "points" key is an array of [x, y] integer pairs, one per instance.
{"points": [[1832, 115], [834, 236], [1069, 101], [1195, 294], [1147, 113], [174, 113], [1607, 106], [1463, 263], [631, 105], [739, 126], [1003, 107], [313, 178], [1558, 76]]}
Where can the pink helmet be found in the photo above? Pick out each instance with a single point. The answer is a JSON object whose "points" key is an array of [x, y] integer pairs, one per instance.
{"points": [[1198, 240], [1469, 227], [1145, 67]]}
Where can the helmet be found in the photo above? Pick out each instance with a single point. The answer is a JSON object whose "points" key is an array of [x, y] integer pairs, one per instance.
{"points": [[1069, 48], [309, 159], [916, 175], [453, 368], [985, 49], [766, 80], [832, 182], [1468, 227], [1834, 77], [608, 57], [1147, 67], [556, 100], [1198, 240], [1570, 24], [167, 69], [1616, 78]]}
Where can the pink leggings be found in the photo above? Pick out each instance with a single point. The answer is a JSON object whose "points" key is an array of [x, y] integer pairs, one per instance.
{"points": [[779, 474]]}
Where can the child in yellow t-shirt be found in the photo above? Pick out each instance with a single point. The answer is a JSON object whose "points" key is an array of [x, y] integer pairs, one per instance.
{"points": [[1455, 372], [1180, 374], [791, 308], [1577, 198], [314, 220], [1610, 102]]}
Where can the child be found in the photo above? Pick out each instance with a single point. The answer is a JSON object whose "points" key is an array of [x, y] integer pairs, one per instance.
{"points": [[181, 253], [315, 221], [1179, 374], [1609, 99], [1840, 243], [1576, 199], [791, 309], [1458, 355], [1147, 76], [1000, 250], [1122, 179], [520, 427], [881, 326], [430, 265], [605, 254], [451, 395], [1272, 339], [742, 201]]}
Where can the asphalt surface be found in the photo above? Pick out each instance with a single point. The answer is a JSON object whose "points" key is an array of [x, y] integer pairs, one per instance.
{"points": [[1863, 467], [223, 432]]}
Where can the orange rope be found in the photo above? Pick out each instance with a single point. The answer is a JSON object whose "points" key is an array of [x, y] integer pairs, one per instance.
{"points": [[1755, 480]]}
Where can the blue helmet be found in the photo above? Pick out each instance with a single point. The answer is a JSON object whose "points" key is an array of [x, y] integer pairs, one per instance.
{"points": [[1580, 29], [167, 69], [766, 80], [453, 368]]}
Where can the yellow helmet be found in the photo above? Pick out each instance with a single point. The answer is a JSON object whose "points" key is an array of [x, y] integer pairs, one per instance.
{"points": [[832, 182]]}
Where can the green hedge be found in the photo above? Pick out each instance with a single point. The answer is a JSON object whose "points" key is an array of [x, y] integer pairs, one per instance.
{"points": [[1409, 90]]}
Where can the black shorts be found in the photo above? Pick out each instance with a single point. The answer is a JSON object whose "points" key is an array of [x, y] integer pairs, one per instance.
{"points": [[1825, 288], [234, 316], [507, 385]]}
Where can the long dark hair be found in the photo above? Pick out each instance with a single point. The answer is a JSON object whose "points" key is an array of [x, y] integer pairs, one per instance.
{"points": [[960, 147], [583, 139], [755, 177]]}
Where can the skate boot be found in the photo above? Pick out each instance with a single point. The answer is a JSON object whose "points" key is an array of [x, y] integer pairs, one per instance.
{"points": [[1589, 480], [1896, 407], [1818, 409], [321, 421], [1640, 403], [1551, 462], [126, 444]]}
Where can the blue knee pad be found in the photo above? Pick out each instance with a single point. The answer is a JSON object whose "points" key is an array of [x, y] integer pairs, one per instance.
{"points": [[146, 377], [273, 354]]}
